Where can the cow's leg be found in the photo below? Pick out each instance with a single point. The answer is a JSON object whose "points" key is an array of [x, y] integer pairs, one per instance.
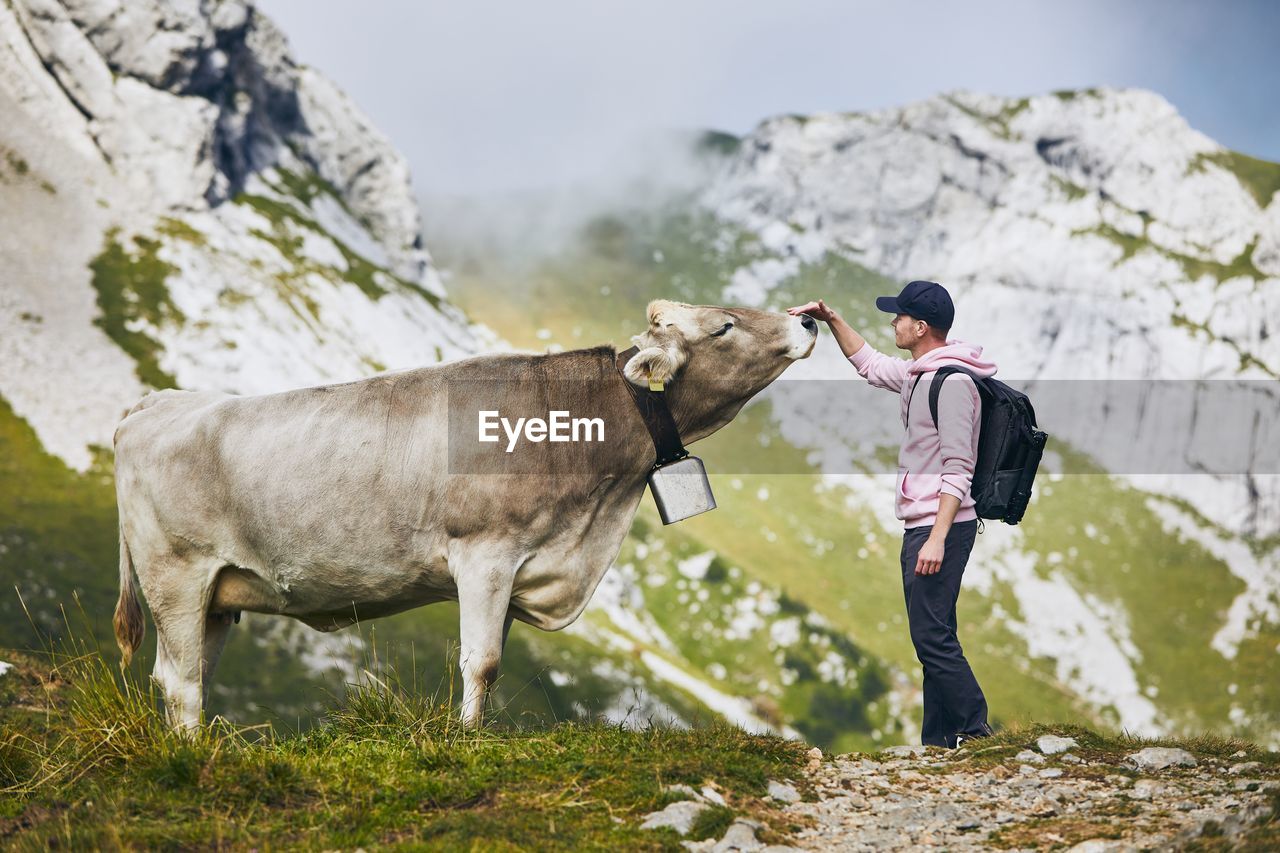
{"points": [[484, 578], [506, 627], [217, 626], [178, 591]]}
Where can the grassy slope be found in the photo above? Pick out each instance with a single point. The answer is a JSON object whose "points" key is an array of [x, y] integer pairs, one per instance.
{"points": [[1166, 584], [86, 763]]}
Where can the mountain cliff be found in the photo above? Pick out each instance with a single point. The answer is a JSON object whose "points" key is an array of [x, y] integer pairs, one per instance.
{"points": [[186, 205]]}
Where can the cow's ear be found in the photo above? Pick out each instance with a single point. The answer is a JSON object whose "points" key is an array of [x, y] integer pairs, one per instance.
{"points": [[652, 364], [657, 308]]}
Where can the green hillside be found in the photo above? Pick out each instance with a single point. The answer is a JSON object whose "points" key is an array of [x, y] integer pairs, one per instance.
{"points": [[1171, 595]]}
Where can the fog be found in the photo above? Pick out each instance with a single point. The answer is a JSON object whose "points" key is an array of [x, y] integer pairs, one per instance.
{"points": [[487, 97]]}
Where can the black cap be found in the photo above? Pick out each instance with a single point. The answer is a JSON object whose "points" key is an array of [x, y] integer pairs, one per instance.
{"points": [[924, 300]]}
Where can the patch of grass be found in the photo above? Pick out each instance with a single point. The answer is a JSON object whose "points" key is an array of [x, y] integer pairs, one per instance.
{"points": [[1194, 268], [711, 823], [389, 767], [131, 289], [173, 227], [718, 143], [997, 123], [1101, 746], [17, 163], [286, 219], [57, 532], [1057, 832], [1073, 191], [1260, 177], [1247, 359], [1071, 94]]}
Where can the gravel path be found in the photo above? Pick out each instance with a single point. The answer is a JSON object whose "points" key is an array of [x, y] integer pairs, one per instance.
{"points": [[1033, 801]]}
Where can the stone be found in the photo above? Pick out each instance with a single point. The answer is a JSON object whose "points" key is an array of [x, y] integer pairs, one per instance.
{"points": [[783, 792], [1042, 807], [1146, 789], [1071, 758], [681, 789], [678, 816], [711, 795], [1161, 757], [741, 835], [1029, 757], [1246, 767], [1052, 744], [1050, 773], [907, 750]]}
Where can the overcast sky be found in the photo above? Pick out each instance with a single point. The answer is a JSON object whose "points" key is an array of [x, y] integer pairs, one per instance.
{"points": [[483, 95]]}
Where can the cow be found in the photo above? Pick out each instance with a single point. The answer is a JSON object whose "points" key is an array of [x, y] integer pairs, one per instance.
{"points": [[344, 502]]}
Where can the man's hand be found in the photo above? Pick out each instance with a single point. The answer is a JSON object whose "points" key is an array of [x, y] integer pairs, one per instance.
{"points": [[817, 310], [929, 560]]}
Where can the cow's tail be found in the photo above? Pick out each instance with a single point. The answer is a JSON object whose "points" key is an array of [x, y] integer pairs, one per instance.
{"points": [[128, 621]]}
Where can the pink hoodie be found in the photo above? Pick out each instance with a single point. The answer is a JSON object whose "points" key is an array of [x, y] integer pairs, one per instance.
{"points": [[932, 461]]}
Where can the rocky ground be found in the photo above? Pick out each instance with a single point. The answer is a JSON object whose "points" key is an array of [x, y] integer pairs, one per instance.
{"points": [[1042, 792]]}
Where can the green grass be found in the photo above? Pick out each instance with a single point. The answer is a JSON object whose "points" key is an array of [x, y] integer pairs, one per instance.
{"points": [[131, 288], [1074, 192], [718, 143], [57, 531], [997, 123], [1194, 268], [1260, 177], [838, 714], [1104, 746], [289, 214], [86, 762]]}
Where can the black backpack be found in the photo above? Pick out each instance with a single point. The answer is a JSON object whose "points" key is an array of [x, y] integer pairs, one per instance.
{"points": [[1009, 445]]}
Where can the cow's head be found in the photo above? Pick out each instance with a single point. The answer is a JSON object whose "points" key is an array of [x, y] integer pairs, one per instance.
{"points": [[715, 358]]}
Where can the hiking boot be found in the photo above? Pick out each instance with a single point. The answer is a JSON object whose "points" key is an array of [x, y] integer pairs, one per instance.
{"points": [[965, 737]]}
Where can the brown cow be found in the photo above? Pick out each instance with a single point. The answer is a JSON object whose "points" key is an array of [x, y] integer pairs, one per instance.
{"points": [[351, 501]]}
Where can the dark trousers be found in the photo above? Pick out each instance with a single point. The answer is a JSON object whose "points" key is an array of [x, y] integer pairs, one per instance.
{"points": [[953, 701]]}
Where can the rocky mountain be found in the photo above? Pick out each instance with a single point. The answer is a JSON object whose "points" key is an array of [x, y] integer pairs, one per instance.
{"points": [[186, 205]]}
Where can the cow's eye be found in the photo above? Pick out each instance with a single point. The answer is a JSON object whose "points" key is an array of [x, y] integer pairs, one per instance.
{"points": [[726, 327]]}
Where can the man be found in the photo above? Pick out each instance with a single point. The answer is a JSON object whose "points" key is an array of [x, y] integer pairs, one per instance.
{"points": [[935, 470]]}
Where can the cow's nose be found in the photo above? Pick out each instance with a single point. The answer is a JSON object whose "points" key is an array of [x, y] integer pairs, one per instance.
{"points": [[809, 323]]}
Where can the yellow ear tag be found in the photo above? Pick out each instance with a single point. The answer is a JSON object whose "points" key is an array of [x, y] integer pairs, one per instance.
{"points": [[656, 385]]}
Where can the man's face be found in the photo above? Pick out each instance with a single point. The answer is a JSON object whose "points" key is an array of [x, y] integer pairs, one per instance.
{"points": [[906, 330]]}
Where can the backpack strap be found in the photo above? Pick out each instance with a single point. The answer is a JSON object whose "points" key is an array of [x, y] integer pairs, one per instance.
{"points": [[935, 387]]}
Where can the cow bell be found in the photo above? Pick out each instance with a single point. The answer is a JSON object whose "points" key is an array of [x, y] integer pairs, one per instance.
{"points": [[681, 489]]}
